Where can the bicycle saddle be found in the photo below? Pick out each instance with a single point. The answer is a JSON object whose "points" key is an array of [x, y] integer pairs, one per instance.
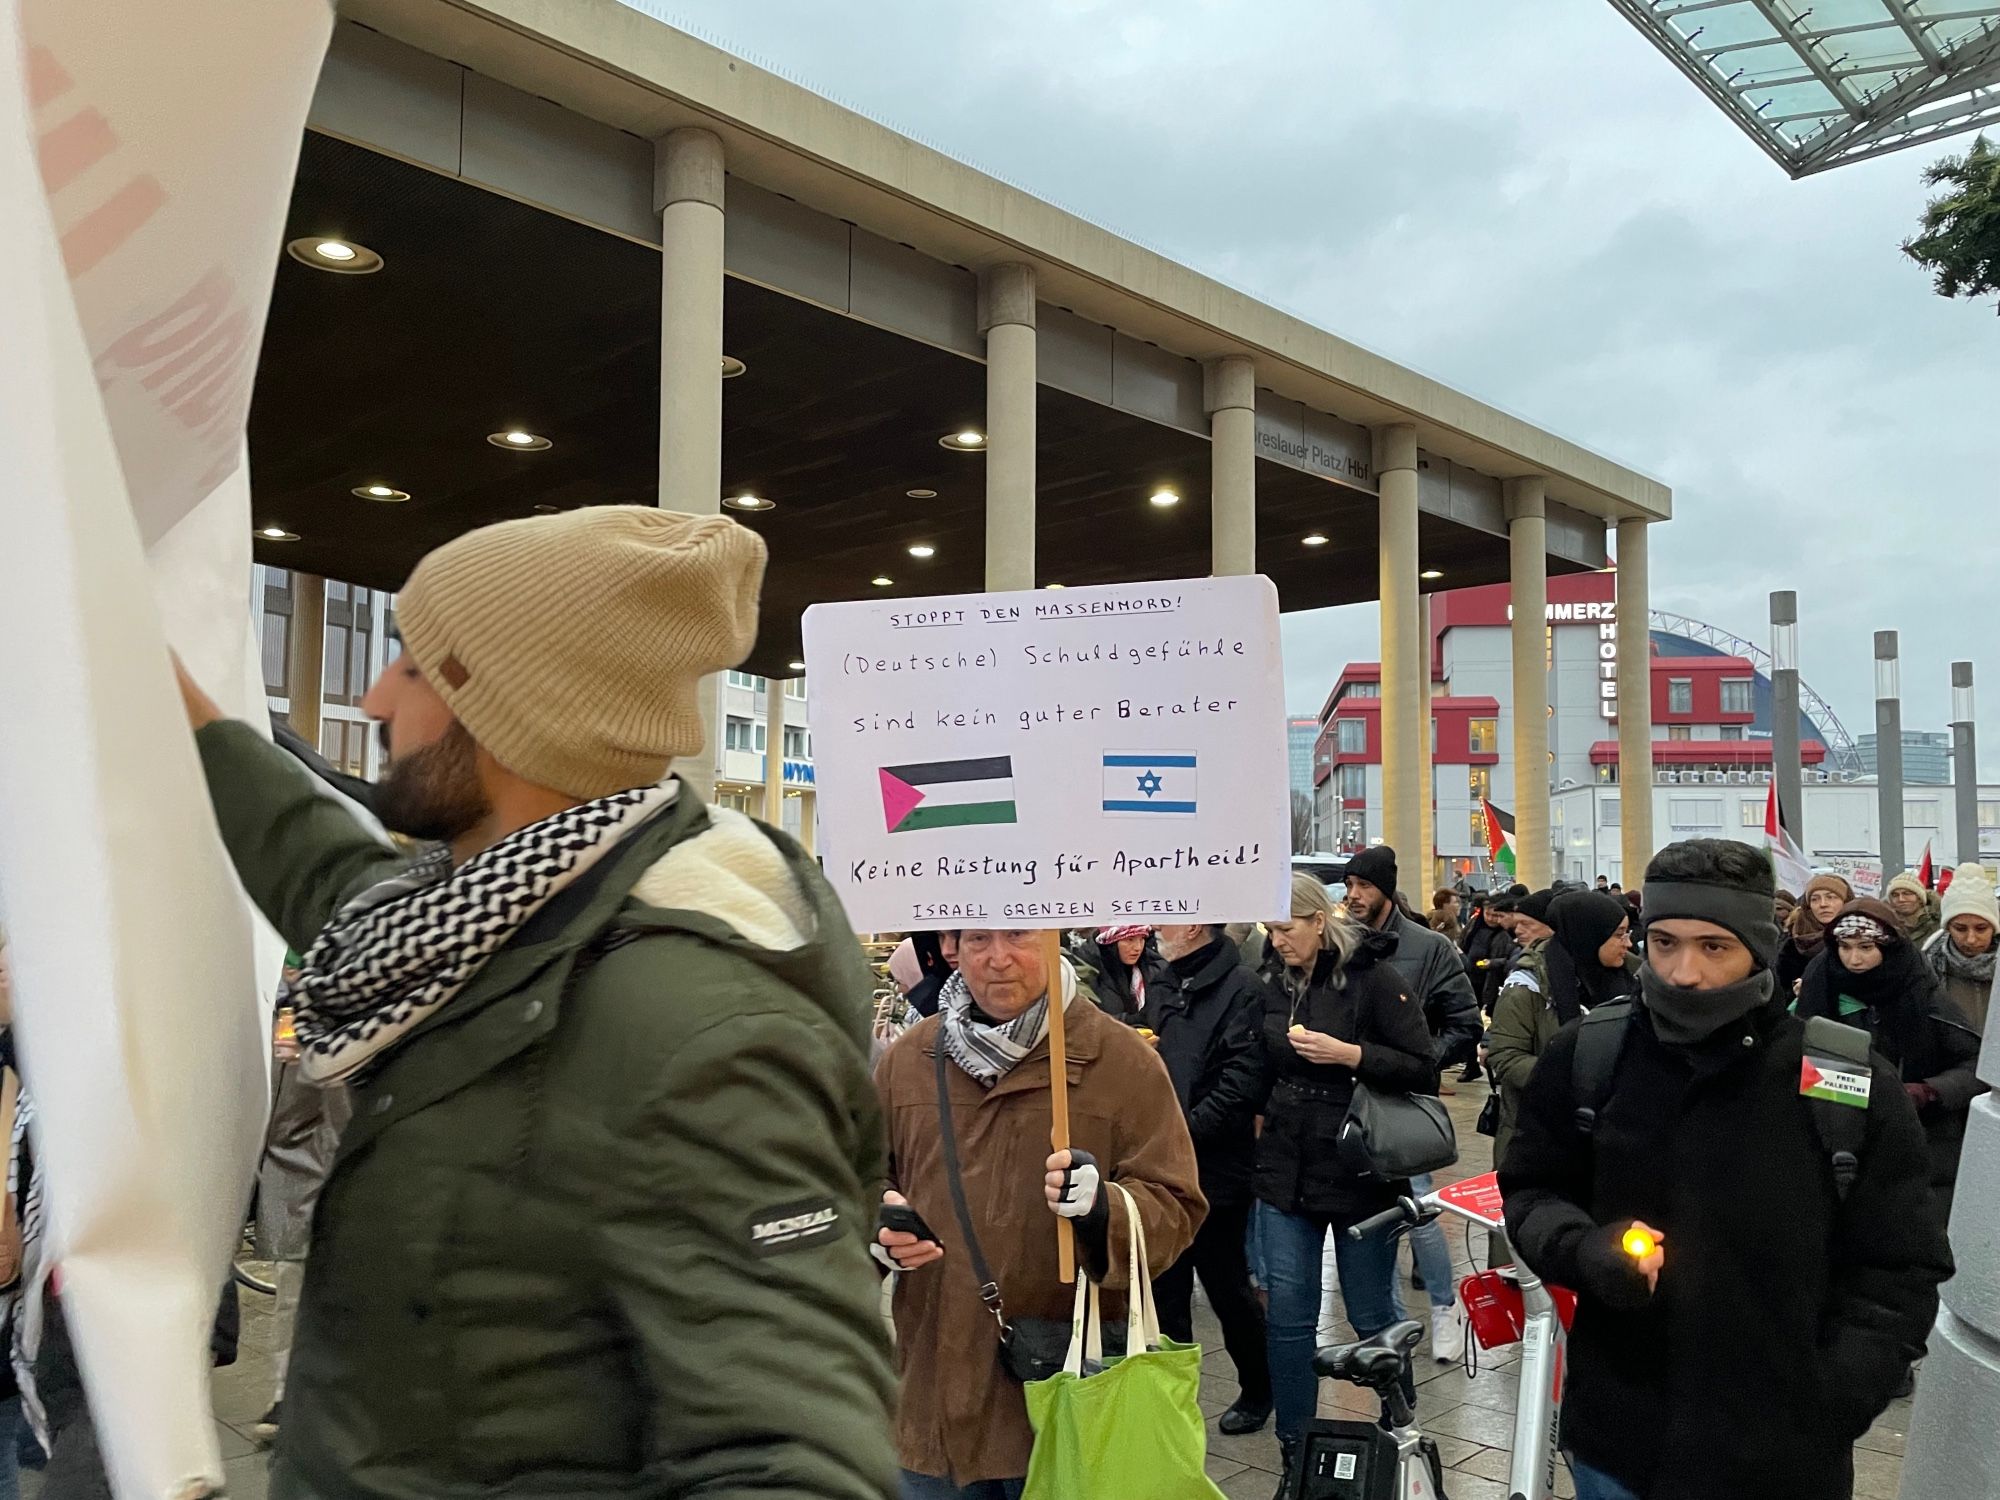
{"points": [[1375, 1363]]}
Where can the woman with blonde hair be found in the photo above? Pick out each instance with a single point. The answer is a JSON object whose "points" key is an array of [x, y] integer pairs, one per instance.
{"points": [[1335, 1013]]}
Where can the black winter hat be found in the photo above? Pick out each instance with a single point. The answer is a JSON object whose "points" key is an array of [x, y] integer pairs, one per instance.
{"points": [[1537, 904], [1377, 865]]}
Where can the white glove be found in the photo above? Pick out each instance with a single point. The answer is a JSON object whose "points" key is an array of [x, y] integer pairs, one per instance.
{"points": [[1075, 1187]]}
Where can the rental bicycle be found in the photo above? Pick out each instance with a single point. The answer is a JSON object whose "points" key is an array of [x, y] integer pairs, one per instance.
{"points": [[1392, 1459], [1387, 1460]]}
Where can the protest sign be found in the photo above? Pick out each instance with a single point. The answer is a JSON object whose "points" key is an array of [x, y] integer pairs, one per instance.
{"points": [[1861, 872], [1055, 758]]}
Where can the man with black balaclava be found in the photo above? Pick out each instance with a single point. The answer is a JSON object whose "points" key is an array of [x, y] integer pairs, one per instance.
{"points": [[1740, 1321]]}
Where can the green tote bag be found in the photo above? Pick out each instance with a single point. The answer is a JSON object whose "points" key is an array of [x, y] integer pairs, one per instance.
{"points": [[1126, 1429]]}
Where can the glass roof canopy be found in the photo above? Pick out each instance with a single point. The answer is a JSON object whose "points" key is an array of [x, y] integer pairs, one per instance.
{"points": [[1818, 85]]}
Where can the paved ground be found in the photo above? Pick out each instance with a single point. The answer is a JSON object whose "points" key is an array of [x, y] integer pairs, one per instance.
{"points": [[1470, 1415]]}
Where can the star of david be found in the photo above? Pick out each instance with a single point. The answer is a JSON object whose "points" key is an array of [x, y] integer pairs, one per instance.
{"points": [[1150, 783]]}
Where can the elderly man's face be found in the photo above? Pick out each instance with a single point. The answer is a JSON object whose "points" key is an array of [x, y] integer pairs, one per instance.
{"points": [[1005, 968]]}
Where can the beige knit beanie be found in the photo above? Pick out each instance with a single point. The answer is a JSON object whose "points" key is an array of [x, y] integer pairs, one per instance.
{"points": [[570, 646]]}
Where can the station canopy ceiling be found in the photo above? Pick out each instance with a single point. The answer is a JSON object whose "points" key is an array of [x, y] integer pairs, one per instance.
{"points": [[1819, 85], [490, 315]]}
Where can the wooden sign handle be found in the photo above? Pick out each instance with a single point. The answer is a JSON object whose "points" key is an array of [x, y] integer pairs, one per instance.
{"points": [[1059, 1092]]}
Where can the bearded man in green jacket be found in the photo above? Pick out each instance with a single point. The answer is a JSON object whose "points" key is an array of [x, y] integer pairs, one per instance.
{"points": [[599, 1226]]}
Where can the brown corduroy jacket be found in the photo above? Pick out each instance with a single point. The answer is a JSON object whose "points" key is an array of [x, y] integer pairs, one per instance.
{"points": [[960, 1413]]}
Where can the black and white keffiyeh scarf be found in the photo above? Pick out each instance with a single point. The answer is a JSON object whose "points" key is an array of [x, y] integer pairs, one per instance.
{"points": [[401, 949], [986, 1051]]}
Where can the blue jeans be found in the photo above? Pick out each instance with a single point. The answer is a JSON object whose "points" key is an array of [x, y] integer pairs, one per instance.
{"points": [[1292, 1248], [936, 1487], [1595, 1484], [1433, 1255]]}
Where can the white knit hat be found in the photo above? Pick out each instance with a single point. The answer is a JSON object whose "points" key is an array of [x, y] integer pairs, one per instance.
{"points": [[1971, 895]]}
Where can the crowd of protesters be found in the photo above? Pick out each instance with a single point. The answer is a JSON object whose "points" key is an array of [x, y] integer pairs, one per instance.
{"points": [[629, 1159]]}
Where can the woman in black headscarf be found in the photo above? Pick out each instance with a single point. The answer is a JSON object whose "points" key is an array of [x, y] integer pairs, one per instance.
{"points": [[1585, 964], [1869, 976]]}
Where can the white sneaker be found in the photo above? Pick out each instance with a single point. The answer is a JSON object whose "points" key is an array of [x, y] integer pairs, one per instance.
{"points": [[1447, 1335]]}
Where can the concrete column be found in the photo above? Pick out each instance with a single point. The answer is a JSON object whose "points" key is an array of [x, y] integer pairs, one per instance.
{"points": [[1785, 763], [1007, 318], [1889, 754], [1422, 879], [1964, 765], [1528, 570], [1635, 703], [1402, 665], [306, 678], [774, 752], [809, 820], [1229, 388], [687, 192]]}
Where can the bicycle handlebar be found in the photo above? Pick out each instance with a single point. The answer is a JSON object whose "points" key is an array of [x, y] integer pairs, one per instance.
{"points": [[1408, 1214]]}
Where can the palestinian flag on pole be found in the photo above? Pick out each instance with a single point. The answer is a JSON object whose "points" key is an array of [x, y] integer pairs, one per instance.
{"points": [[948, 794], [1499, 839], [1788, 860]]}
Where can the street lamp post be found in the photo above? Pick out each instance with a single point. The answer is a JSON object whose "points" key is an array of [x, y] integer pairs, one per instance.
{"points": [[1964, 763], [1889, 753], [1785, 772]]}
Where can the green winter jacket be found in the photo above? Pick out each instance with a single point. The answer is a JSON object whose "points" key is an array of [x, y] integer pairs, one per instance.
{"points": [[1524, 1023], [596, 1229]]}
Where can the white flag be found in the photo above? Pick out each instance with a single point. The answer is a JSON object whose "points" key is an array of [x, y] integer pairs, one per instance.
{"points": [[146, 158]]}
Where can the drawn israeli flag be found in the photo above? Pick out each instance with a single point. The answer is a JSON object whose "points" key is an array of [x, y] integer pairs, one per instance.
{"points": [[1149, 783]]}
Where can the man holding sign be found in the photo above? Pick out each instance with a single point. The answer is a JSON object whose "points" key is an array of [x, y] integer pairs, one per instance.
{"points": [[968, 1097]]}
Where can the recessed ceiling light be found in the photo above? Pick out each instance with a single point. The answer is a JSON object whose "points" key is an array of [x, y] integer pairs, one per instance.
{"points": [[1053, 585], [882, 580], [277, 534], [923, 549], [517, 440], [921, 494], [965, 440], [548, 510], [797, 666], [732, 367], [386, 494], [1315, 540], [1430, 573], [1164, 498], [342, 257], [748, 501]]}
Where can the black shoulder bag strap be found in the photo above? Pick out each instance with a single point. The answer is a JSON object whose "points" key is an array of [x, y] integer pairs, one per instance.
{"points": [[1842, 1127], [989, 1289], [1600, 1037]]}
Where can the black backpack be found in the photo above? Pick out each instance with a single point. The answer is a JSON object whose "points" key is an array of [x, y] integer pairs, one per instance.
{"points": [[1842, 1128]]}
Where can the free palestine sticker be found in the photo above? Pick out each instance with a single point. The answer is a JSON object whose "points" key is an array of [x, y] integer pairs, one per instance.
{"points": [[1823, 1078]]}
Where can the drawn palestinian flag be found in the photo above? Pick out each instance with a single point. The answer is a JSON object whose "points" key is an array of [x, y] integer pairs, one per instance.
{"points": [[948, 794], [1499, 839]]}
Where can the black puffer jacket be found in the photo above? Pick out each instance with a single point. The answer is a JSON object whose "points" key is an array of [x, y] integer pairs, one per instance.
{"points": [[1211, 1025], [1111, 984], [1783, 1317], [1298, 1167]]}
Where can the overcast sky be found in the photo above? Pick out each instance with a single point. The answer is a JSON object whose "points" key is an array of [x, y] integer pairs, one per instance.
{"points": [[1541, 212]]}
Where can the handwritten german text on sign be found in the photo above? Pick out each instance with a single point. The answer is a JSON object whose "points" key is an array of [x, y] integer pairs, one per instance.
{"points": [[1053, 759]]}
